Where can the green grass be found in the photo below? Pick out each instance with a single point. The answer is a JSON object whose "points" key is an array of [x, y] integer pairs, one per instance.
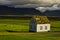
{"points": [[30, 36], [55, 26], [17, 25], [22, 26]]}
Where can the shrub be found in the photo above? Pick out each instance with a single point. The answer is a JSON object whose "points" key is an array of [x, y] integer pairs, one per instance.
{"points": [[41, 19]]}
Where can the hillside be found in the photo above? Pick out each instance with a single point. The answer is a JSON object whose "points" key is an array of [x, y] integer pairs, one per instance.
{"points": [[4, 10]]}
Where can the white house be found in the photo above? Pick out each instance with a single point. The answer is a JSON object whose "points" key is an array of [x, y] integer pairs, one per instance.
{"points": [[37, 24]]}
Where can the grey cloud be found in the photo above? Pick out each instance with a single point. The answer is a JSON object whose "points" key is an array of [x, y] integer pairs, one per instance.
{"points": [[41, 4], [54, 7], [23, 2], [26, 6], [19, 2], [5, 2]]}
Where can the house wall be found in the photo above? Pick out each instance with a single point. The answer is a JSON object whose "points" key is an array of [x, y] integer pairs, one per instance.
{"points": [[43, 27], [32, 25]]}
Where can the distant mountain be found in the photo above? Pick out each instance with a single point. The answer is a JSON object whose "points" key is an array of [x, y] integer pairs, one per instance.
{"points": [[5, 10], [52, 13]]}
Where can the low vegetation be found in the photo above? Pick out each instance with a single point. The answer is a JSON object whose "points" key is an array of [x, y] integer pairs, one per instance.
{"points": [[19, 30], [41, 19]]}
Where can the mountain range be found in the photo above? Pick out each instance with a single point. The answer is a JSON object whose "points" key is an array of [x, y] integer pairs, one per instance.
{"points": [[5, 10]]}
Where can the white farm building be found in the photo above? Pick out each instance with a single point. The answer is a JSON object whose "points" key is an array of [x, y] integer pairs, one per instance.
{"points": [[39, 24]]}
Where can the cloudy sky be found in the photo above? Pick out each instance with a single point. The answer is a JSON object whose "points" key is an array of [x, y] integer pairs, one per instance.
{"points": [[41, 5]]}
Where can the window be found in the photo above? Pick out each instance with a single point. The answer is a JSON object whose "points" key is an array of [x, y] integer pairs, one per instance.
{"points": [[41, 27], [45, 27]]}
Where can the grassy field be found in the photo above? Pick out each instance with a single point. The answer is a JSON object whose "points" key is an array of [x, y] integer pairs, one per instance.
{"points": [[21, 31], [14, 25]]}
